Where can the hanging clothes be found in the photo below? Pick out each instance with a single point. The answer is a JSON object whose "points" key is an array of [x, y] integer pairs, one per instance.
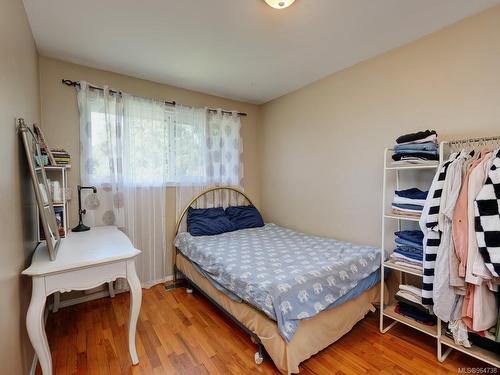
{"points": [[498, 322], [429, 226], [476, 182], [487, 214], [457, 280], [478, 303], [445, 300], [460, 223], [461, 247]]}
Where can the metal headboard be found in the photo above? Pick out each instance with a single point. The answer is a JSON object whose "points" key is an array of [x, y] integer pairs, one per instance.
{"points": [[220, 196]]}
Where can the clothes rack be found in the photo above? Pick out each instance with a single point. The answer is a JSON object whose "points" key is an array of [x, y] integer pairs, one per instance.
{"points": [[394, 177], [445, 150], [466, 143]]}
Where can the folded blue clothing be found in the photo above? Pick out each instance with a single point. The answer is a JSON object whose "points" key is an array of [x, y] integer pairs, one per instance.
{"points": [[404, 206], [422, 152], [411, 235], [403, 242], [414, 313], [427, 146], [412, 193], [409, 250], [410, 254]]}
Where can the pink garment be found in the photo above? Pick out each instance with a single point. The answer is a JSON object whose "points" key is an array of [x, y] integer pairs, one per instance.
{"points": [[468, 307], [484, 308], [480, 310], [479, 301], [477, 178], [460, 222]]}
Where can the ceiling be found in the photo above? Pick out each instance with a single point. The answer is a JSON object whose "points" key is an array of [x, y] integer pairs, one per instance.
{"points": [[240, 49]]}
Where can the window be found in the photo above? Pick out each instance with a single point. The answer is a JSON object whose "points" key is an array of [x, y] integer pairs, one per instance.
{"points": [[142, 142]]}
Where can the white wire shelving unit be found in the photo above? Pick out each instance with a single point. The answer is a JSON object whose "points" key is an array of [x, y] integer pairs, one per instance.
{"points": [[444, 345], [392, 220]]}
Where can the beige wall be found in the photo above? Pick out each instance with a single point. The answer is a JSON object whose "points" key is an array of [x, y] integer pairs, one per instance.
{"points": [[19, 97], [60, 119], [322, 146]]}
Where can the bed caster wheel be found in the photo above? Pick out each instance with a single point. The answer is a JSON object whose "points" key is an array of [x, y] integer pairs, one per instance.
{"points": [[258, 358], [189, 290]]}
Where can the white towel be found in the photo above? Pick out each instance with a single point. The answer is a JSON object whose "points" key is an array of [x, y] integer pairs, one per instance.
{"points": [[411, 288], [400, 257], [408, 265]]}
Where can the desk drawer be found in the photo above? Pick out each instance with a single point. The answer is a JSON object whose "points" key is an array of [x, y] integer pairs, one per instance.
{"points": [[85, 278]]}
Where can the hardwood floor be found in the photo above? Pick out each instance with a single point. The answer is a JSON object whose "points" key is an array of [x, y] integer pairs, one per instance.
{"points": [[179, 333]]}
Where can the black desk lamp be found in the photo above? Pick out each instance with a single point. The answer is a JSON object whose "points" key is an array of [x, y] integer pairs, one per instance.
{"points": [[82, 227]]}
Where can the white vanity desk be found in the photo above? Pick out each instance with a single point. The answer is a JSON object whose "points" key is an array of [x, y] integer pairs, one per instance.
{"points": [[84, 260]]}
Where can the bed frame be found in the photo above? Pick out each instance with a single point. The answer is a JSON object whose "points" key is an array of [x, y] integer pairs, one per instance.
{"points": [[221, 196]]}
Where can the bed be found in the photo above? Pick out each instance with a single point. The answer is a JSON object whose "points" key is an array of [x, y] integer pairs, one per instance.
{"points": [[293, 294]]}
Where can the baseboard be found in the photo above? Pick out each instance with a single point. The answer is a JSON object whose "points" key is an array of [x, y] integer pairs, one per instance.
{"points": [[105, 293], [156, 282], [85, 298]]}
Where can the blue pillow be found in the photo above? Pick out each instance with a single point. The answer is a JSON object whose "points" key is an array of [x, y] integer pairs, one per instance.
{"points": [[244, 217], [208, 221]]}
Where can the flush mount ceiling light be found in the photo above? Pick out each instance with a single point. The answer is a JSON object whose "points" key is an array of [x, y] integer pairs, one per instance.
{"points": [[279, 4]]}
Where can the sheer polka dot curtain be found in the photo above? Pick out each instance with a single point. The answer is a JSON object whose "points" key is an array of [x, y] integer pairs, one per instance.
{"points": [[133, 148]]}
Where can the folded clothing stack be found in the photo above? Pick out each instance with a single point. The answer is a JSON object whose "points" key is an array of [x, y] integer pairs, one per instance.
{"points": [[484, 341], [409, 250], [409, 202], [416, 148], [409, 304]]}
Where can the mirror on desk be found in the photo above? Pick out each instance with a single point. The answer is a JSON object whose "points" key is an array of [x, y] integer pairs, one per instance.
{"points": [[43, 196]]}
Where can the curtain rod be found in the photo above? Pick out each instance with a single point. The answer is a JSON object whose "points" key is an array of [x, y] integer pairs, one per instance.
{"points": [[69, 82]]}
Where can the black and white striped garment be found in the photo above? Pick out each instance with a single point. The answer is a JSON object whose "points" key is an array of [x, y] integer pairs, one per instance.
{"points": [[487, 218], [432, 239]]}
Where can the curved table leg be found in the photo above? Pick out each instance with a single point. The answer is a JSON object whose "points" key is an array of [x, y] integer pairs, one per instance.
{"points": [[135, 307], [35, 324]]}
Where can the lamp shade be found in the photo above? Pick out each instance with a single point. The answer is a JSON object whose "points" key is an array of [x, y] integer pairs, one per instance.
{"points": [[279, 4]]}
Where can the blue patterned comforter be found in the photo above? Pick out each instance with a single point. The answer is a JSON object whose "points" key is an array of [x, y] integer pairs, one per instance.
{"points": [[288, 275]]}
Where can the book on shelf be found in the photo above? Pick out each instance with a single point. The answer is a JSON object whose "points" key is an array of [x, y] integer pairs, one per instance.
{"points": [[61, 156], [59, 212]]}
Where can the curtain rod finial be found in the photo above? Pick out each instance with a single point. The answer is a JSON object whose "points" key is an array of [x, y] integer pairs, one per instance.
{"points": [[69, 82]]}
